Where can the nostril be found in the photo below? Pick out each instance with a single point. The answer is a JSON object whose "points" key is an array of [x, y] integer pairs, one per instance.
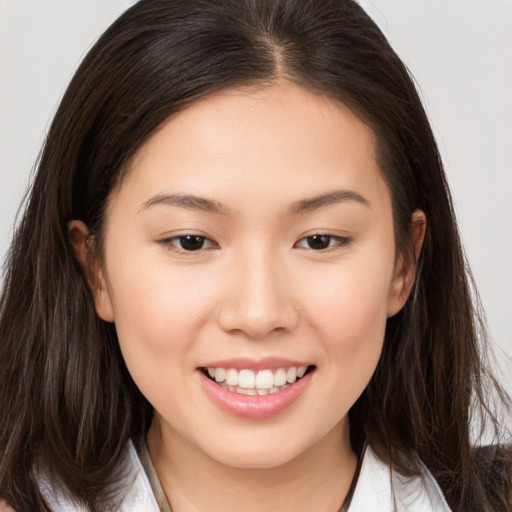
{"points": [[257, 315]]}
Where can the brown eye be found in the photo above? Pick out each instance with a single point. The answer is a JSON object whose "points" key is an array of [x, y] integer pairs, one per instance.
{"points": [[191, 242], [188, 243], [318, 242], [323, 242]]}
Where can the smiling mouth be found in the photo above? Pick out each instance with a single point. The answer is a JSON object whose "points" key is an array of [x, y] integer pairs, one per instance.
{"points": [[260, 382]]}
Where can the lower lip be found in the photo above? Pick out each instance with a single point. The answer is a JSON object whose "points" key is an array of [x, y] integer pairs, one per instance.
{"points": [[254, 407]]}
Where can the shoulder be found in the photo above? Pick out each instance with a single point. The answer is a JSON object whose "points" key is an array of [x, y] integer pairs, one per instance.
{"points": [[378, 488], [134, 493], [493, 467]]}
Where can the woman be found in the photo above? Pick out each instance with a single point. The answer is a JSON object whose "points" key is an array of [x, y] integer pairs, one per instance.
{"points": [[238, 280]]}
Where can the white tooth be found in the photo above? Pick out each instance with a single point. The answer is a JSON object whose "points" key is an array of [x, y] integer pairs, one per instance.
{"points": [[232, 377], [262, 392], [232, 389], [223, 384], [246, 379], [301, 370], [291, 375], [211, 372], [280, 377], [243, 391], [265, 379], [273, 390], [220, 374]]}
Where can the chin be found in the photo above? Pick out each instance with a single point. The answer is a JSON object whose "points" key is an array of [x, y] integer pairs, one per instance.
{"points": [[263, 451], [259, 460]]}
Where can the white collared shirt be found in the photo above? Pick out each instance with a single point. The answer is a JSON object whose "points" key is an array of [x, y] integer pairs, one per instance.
{"points": [[380, 490], [377, 489]]}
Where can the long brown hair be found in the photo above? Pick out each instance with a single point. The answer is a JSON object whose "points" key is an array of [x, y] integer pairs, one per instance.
{"points": [[67, 401]]}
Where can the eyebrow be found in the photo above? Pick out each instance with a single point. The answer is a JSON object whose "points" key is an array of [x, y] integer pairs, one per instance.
{"points": [[193, 202], [338, 196], [187, 201]]}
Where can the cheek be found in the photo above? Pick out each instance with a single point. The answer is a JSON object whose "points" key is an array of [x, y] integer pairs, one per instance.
{"points": [[349, 313], [351, 299], [159, 311], [158, 308]]}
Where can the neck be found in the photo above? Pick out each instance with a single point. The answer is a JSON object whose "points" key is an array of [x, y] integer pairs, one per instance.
{"points": [[318, 479]]}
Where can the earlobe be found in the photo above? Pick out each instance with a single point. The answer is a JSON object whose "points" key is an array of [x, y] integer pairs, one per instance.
{"points": [[405, 268], [81, 244]]}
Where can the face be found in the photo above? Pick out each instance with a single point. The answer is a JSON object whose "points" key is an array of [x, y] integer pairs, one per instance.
{"points": [[252, 243]]}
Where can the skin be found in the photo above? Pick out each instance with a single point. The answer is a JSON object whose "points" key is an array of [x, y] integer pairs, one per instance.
{"points": [[256, 289]]}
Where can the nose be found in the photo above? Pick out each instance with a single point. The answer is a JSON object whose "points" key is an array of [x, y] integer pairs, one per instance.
{"points": [[258, 299]]}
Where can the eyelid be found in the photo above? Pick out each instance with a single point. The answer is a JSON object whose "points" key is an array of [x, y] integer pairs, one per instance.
{"points": [[169, 243], [341, 241]]}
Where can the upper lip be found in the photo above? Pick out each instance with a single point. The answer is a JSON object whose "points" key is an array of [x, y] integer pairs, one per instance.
{"points": [[263, 363]]}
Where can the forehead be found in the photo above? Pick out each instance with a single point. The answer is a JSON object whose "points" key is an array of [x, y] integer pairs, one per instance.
{"points": [[278, 138]]}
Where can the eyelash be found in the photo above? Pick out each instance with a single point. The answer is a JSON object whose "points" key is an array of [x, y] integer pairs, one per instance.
{"points": [[339, 241], [170, 243]]}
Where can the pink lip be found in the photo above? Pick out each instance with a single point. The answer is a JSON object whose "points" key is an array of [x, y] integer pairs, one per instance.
{"points": [[265, 363], [250, 406]]}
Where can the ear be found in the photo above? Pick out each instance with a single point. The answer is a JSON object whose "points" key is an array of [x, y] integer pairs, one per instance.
{"points": [[82, 245], [405, 266]]}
